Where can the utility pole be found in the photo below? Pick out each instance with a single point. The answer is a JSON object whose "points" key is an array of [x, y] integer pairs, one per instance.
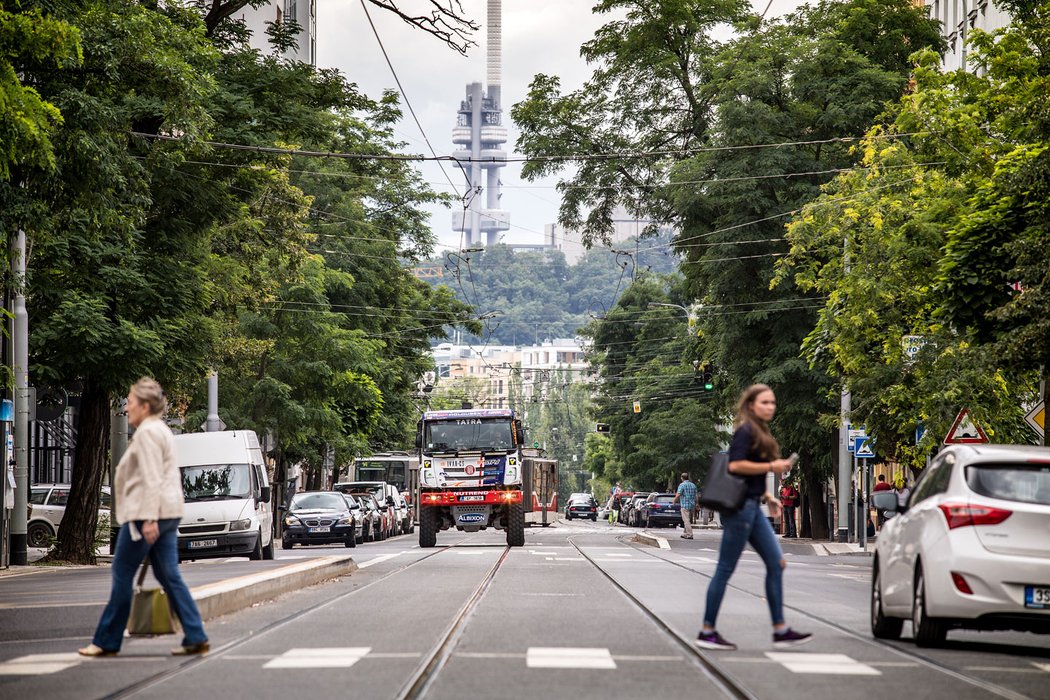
{"points": [[213, 423], [845, 465], [20, 369], [118, 445]]}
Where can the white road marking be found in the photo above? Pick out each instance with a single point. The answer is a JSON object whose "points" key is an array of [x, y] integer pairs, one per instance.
{"points": [[323, 657], [703, 560], [1041, 667], [834, 664], [541, 553], [614, 554], [377, 560], [1002, 669], [569, 657], [40, 664]]}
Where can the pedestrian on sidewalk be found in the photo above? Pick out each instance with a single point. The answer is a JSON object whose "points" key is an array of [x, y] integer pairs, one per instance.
{"points": [[789, 500], [148, 494], [685, 497], [753, 453], [882, 485]]}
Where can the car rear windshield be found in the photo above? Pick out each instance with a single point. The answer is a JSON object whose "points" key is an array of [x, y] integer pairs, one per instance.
{"points": [[318, 501], [1026, 483], [664, 499]]}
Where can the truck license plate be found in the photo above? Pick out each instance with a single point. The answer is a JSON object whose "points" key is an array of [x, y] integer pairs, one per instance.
{"points": [[203, 544], [1037, 596], [472, 497]]}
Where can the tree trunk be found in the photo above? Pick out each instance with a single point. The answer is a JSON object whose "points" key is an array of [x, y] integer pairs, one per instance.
{"points": [[76, 538], [818, 509]]}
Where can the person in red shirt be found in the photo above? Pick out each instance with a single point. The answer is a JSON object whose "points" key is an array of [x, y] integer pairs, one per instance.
{"points": [[789, 497], [881, 485]]}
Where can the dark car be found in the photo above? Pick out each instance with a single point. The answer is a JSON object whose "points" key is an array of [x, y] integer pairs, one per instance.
{"points": [[581, 505], [660, 510], [320, 517], [633, 507], [376, 524]]}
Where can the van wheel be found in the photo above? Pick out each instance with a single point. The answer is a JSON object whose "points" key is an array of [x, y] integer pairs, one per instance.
{"points": [[257, 553], [267, 551], [39, 534]]}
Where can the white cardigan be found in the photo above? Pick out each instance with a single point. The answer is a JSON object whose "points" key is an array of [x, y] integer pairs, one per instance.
{"points": [[148, 484]]}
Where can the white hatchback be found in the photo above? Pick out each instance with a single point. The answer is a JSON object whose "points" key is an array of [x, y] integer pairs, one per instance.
{"points": [[971, 549]]}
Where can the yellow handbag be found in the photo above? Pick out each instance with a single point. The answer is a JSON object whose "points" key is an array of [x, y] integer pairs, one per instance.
{"points": [[151, 612]]}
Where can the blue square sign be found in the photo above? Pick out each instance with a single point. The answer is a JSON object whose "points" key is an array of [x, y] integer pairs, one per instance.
{"points": [[864, 447]]}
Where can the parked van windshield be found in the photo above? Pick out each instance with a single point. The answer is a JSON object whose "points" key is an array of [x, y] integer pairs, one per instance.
{"points": [[216, 482]]}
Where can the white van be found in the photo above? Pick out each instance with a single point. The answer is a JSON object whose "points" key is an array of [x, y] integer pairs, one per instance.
{"points": [[227, 496]]}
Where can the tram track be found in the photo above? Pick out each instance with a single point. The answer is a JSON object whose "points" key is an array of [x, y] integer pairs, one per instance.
{"points": [[144, 684], [933, 664], [723, 679]]}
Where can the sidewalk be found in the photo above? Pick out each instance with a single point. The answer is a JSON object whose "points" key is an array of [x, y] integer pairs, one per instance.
{"points": [[54, 600], [708, 534]]}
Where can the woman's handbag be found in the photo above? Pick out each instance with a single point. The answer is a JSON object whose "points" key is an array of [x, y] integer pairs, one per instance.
{"points": [[150, 609], [723, 492]]}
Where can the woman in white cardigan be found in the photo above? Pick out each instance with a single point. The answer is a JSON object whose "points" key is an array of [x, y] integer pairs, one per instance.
{"points": [[148, 495]]}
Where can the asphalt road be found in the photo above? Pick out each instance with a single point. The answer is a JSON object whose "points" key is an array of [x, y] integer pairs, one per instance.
{"points": [[579, 612]]}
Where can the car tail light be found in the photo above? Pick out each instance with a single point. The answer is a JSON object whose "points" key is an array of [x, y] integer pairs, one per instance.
{"points": [[961, 584], [962, 515]]}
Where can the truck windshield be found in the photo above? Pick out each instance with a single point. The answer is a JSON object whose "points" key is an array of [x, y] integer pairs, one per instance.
{"points": [[216, 482], [469, 435]]}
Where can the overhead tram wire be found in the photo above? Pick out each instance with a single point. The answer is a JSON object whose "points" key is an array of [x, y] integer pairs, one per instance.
{"points": [[404, 96], [523, 159]]}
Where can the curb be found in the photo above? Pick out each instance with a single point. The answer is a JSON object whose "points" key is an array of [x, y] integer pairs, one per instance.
{"points": [[651, 540], [224, 597]]}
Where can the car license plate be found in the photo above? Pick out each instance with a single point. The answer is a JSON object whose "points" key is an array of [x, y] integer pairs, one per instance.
{"points": [[203, 544], [1037, 596], [472, 497], [320, 529]]}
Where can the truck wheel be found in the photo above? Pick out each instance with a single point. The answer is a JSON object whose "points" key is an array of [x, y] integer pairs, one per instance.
{"points": [[515, 525], [428, 527]]}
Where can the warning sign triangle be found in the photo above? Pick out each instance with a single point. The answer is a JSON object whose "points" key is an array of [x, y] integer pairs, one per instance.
{"points": [[965, 431]]}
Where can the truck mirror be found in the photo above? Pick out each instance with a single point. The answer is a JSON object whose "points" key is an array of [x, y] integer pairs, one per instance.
{"points": [[264, 493]]}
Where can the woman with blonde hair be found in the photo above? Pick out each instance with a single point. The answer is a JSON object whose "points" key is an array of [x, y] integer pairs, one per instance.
{"points": [[147, 489], [753, 453]]}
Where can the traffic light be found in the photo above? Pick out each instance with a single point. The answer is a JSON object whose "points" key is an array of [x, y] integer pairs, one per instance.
{"points": [[707, 378], [601, 428]]}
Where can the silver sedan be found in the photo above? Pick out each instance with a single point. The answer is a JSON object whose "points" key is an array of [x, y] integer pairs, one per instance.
{"points": [[969, 549]]}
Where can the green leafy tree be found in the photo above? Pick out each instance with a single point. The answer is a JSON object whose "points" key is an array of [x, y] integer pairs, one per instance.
{"points": [[30, 41]]}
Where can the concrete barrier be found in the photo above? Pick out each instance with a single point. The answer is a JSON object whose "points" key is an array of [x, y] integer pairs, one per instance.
{"points": [[230, 595], [651, 540]]}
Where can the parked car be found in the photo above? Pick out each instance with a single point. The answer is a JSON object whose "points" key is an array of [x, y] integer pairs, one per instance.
{"points": [[660, 510], [619, 502], [399, 517], [377, 516], [581, 505], [969, 548], [47, 506], [320, 517], [633, 509]]}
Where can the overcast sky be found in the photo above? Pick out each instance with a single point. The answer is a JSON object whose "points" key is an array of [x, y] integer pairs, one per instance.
{"points": [[539, 36]]}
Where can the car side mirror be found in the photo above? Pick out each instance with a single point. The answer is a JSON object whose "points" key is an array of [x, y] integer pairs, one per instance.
{"points": [[264, 493], [887, 501], [281, 509]]}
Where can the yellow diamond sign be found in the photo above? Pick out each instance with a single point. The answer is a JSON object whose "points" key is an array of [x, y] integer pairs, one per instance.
{"points": [[1037, 418]]}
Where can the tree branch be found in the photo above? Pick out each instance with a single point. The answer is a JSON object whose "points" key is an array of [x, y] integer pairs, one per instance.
{"points": [[446, 21]]}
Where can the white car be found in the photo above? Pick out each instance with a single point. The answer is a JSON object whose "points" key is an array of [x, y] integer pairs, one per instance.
{"points": [[47, 506], [971, 549]]}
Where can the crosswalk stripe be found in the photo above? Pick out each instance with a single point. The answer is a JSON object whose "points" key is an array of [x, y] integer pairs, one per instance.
{"points": [[322, 657], [832, 664], [569, 657], [39, 664]]}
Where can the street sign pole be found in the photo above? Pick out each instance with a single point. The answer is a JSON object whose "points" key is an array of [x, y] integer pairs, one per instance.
{"points": [[844, 466], [863, 495]]}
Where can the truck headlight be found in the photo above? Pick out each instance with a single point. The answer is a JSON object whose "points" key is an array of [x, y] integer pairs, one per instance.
{"points": [[240, 524]]}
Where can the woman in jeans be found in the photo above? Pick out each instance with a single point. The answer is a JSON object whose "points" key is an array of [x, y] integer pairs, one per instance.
{"points": [[148, 494], [753, 453]]}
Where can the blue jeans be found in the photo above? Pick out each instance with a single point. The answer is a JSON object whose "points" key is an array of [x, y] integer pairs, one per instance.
{"points": [[164, 559], [747, 525]]}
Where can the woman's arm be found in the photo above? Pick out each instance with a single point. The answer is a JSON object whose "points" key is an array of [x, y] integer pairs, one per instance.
{"points": [[746, 467]]}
